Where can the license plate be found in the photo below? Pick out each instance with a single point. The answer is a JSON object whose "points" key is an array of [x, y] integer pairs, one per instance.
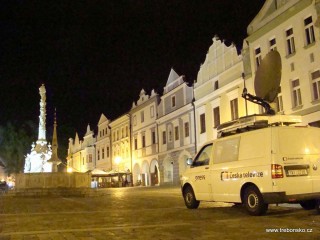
{"points": [[297, 172]]}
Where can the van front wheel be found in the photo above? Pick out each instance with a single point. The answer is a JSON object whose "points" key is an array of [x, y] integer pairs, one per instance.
{"points": [[190, 199], [253, 201]]}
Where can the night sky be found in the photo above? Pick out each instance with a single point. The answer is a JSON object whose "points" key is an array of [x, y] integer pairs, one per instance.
{"points": [[95, 56]]}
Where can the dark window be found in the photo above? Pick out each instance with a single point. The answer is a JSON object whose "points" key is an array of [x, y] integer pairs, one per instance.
{"points": [[153, 137], [202, 123], [143, 141], [135, 144], [164, 137], [216, 116], [234, 109], [176, 133], [186, 129]]}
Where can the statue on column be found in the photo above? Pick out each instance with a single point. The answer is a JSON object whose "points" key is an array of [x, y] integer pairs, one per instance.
{"points": [[41, 152]]}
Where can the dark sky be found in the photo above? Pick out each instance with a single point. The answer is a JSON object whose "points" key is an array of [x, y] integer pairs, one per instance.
{"points": [[95, 56]]}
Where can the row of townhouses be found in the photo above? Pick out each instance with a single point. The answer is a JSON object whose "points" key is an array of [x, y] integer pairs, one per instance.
{"points": [[153, 140]]}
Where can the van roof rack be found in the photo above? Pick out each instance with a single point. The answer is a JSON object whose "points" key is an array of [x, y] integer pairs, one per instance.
{"points": [[256, 121]]}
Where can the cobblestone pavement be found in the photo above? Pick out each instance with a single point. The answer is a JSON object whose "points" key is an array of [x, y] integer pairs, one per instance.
{"points": [[147, 213]]}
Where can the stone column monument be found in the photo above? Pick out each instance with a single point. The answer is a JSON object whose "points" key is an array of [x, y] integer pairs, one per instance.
{"points": [[37, 160]]}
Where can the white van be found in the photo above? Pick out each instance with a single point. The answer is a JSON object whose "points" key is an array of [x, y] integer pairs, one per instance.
{"points": [[273, 164]]}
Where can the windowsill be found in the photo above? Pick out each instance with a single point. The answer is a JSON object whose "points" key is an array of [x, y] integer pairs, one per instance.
{"points": [[297, 108], [309, 45], [291, 55], [314, 102]]}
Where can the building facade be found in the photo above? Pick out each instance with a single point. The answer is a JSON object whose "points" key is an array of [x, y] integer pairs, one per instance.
{"points": [[175, 128], [291, 28], [218, 90], [103, 144], [144, 138], [81, 153], [120, 144]]}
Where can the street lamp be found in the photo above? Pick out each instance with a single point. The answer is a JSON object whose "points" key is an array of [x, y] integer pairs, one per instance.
{"points": [[117, 161]]}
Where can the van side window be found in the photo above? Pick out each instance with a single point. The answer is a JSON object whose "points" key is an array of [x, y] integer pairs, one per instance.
{"points": [[226, 150], [203, 158]]}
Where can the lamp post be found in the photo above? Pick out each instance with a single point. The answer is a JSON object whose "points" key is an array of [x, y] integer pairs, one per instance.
{"points": [[117, 161]]}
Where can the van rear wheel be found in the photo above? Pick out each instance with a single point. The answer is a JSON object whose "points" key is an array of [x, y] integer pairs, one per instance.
{"points": [[308, 204], [318, 205], [190, 199], [253, 201]]}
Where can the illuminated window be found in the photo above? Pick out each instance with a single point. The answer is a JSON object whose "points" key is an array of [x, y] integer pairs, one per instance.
{"points": [[234, 109], [202, 123], [290, 42], [309, 31], [296, 93], [315, 77]]}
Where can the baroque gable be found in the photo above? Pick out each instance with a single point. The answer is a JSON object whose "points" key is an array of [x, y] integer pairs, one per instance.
{"points": [[143, 98], [219, 58]]}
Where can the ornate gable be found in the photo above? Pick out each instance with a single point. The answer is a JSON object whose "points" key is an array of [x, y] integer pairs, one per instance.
{"points": [[218, 59]]}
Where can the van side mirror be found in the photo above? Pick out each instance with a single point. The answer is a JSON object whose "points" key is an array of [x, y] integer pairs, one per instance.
{"points": [[189, 161]]}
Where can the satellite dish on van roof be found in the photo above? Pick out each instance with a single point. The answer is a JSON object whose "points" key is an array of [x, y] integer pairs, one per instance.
{"points": [[268, 77], [266, 82]]}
